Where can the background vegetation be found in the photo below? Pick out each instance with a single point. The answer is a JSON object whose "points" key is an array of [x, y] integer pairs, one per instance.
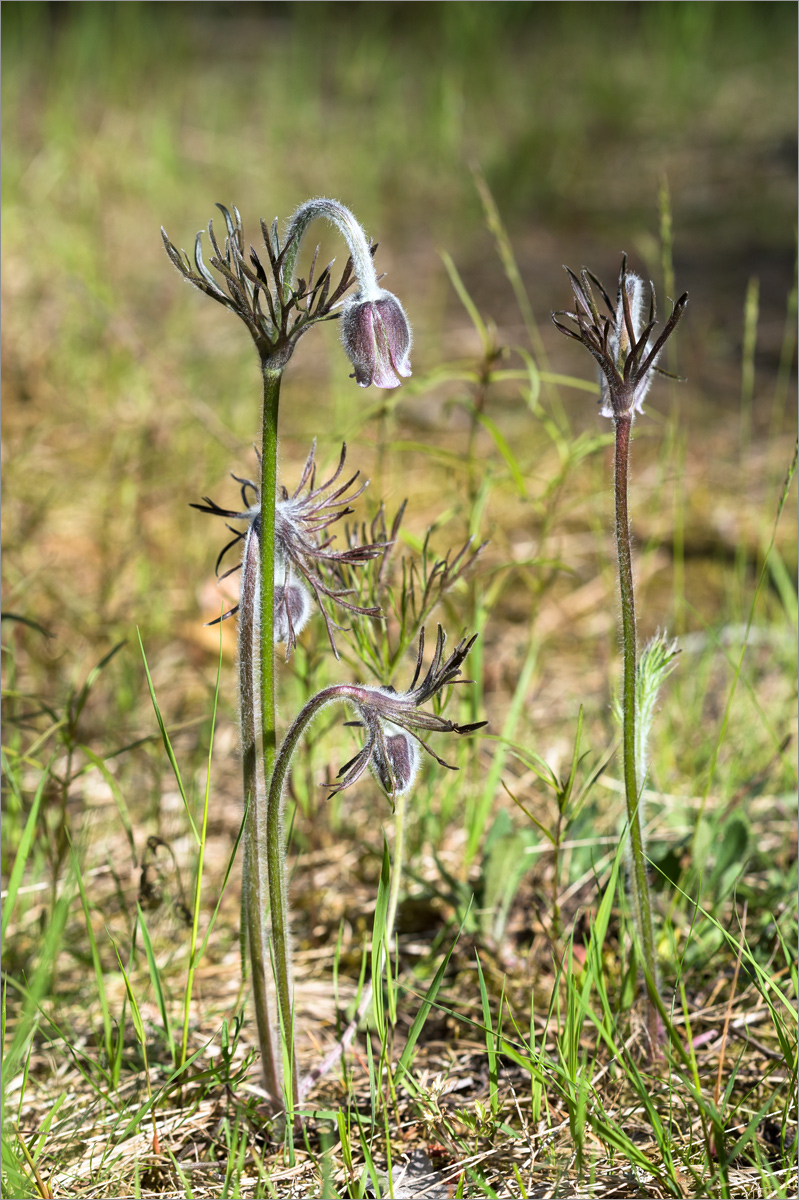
{"points": [[666, 130]]}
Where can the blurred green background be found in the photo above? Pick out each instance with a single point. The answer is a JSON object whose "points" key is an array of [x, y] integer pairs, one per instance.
{"points": [[127, 395]]}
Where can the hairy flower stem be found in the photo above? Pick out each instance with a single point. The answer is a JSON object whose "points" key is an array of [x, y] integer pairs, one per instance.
{"points": [[257, 694], [255, 890], [268, 706], [642, 907], [266, 605], [396, 870], [278, 900], [276, 857], [341, 217]]}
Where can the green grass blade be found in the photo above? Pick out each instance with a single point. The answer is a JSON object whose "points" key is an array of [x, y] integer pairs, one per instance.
{"points": [[195, 922], [491, 1041], [379, 949], [403, 1066], [158, 987], [167, 743], [23, 850], [479, 817], [119, 799], [96, 961], [222, 889], [33, 994], [83, 695], [135, 1012], [501, 443], [466, 300]]}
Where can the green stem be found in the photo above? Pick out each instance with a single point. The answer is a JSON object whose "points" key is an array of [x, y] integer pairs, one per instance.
{"points": [[278, 901], [255, 890], [557, 925], [642, 907], [396, 866], [266, 606], [257, 708]]}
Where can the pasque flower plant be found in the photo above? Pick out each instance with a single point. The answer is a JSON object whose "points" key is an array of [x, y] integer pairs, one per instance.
{"points": [[289, 553], [626, 350]]}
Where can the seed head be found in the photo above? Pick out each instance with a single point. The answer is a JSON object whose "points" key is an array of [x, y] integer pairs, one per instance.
{"points": [[260, 288], [278, 308]]}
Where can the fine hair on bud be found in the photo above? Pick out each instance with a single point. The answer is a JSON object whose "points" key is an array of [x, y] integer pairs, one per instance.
{"points": [[397, 769], [292, 607]]}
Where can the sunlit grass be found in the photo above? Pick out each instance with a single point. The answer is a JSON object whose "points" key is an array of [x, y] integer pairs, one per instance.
{"points": [[506, 1043]]}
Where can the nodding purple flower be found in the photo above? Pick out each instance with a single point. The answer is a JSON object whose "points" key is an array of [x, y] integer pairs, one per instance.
{"points": [[393, 721], [302, 547], [276, 308], [377, 338], [621, 343]]}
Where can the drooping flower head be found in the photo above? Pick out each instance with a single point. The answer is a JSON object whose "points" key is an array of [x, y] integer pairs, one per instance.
{"points": [[622, 343], [303, 548], [375, 332], [393, 721], [278, 307], [377, 338]]}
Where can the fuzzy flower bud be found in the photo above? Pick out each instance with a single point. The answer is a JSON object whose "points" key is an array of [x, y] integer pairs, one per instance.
{"points": [[292, 608], [395, 760], [374, 329], [394, 721], [377, 339], [622, 342]]}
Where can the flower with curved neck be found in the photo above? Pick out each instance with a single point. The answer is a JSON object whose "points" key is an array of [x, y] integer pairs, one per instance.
{"points": [[286, 546], [386, 715], [339, 215], [393, 721], [374, 329], [377, 338]]}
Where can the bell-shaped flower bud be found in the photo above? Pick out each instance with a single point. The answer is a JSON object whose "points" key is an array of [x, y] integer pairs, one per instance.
{"points": [[395, 760], [394, 721], [377, 339], [292, 609]]}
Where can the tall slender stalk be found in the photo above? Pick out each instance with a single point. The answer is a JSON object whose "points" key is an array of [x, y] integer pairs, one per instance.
{"points": [[255, 889], [275, 858], [264, 829], [626, 349], [266, 605], [638, 876]]}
